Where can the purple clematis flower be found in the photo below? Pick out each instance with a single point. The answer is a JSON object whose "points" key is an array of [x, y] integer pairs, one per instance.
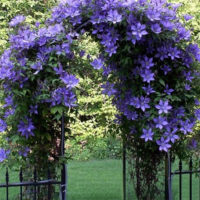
{"points": [[168, 90], [188, 17], [147, 63], [197, 114], [160, 122], [163, 144], [147, 75], [37, 66], [17, 20], [24, 152], [148, 90], [139, 30], [170, 135], [33, 110], [70, 80], [163, 107], [109, 89], [114, 16], [3, 125], [186, 126], [97, 64], [156, 28], [187, 87], [26, 128], [147, 134], [142, 103], [3, 154]]}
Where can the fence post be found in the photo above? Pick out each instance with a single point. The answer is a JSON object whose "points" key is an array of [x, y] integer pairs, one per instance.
{"points": [[7, 180], [190, 172], [168, 191], [166, 178], [63, 170], [21, 180], [124, 169]]}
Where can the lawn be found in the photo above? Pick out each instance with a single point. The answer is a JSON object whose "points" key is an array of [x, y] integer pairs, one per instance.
{"points": [[101, 180]]}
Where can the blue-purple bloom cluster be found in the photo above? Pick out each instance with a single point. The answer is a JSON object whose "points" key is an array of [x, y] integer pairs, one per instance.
{"points": [[26, 128], [150, 75], [4, 154]]}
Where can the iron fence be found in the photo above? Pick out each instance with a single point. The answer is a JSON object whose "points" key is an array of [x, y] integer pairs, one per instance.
{"points": [[180, 172], [169, 174], [36, 182]]}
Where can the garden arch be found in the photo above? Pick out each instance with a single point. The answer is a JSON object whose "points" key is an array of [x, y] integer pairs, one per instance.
{"points": [[148, 59]]}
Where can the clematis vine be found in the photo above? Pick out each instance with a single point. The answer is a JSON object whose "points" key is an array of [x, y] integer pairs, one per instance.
{"points": [[147, 58]]}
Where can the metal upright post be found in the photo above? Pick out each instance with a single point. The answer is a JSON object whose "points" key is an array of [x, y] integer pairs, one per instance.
{"points": [[63, 171], [168, 189], [169, 176], [124, 169]]}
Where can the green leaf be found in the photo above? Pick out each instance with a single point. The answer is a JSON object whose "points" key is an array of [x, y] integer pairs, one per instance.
{"points": [[162, 82]]}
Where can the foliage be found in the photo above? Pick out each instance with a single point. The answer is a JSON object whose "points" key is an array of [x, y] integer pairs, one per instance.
{"points": [[191, 7], [34, 10], [93, 128]]}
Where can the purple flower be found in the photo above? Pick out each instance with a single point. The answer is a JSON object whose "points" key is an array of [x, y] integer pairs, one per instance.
{"points": [[17, 20], [131, 115], [147, 134], [156, 28], [186, 126], [59, 70], [180, 112], [97, 64], [142, 103], [33, 110], [170, 135], [163, 144], [3, 154], [147, 75], [70, 80], [26, 128], [166, 69], [174, 53], [193, 144], [147, 63], [63, 96], [162, 53], [163, 107], [8, 101], [197, 114], [3, 125], [188, 76], [168, 90], [153, 14], [160, 122], [187, 87], [114, 16], [188, 17], [109, 89], [37, 66], [167, 25], [54, 30], [197, 102], [24, 152], [9, 112], [134, 101], [183, 34], [138, 30], [148, 90]]}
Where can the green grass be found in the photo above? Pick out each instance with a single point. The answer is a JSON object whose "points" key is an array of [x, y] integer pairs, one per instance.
{"points": [[101, 180], [95, 180]]}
